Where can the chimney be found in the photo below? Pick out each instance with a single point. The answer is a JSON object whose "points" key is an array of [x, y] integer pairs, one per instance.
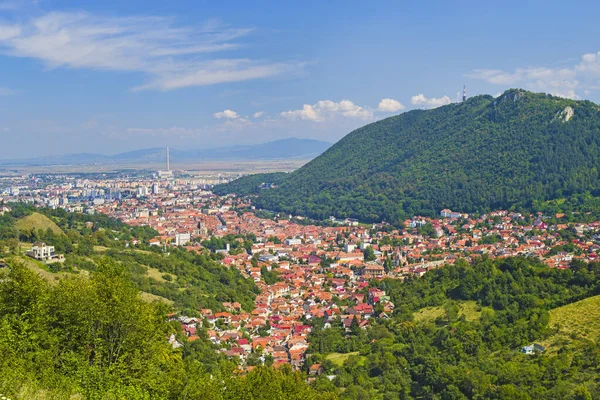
{"points": [[168, 165]]}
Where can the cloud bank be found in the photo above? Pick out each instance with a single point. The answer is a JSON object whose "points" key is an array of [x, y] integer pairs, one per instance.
{"points": [[325, 110]]}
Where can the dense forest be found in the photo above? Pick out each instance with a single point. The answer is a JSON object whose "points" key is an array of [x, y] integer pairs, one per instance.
{"points": [[251, 184], [485, 153]]}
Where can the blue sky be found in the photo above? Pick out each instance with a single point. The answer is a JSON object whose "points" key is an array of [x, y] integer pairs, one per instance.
{"points": [[111, 76]]}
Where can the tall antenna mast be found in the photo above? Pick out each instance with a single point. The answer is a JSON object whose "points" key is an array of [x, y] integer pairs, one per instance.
{"points": [[168, 165], [464, 92]]}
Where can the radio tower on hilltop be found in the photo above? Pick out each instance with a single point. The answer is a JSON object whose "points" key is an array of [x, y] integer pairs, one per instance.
{"points": [[464, 92]]}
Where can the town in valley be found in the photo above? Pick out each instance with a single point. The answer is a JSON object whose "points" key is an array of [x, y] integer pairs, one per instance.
{"points": [[315, 269]]}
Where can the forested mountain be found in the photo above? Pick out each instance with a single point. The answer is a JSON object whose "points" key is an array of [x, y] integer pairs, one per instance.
{"points": [[481, 154]]}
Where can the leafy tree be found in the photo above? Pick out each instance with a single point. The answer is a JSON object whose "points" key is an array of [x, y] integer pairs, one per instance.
{"points": [[369, 254]]}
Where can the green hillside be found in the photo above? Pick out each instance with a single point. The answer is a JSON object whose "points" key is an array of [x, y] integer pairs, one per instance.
{"points": [[37, 221], [575, 322], [485, 153], [457, 333], [188, 280]]}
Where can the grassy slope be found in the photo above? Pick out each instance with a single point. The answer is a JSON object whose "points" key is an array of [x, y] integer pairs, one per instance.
{"points": [[157, 275], [468, 308], [38, 221], [339, 358], [575, 322], [149, 297], [41, 269]]}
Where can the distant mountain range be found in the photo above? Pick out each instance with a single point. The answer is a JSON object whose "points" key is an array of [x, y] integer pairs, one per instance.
{"points": [[292, 148], [485, 153]]}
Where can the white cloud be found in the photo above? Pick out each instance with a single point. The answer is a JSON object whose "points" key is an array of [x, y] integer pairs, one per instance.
{"points": [[258, 114], [581, 77], [170, 56], [226, 114], [432, 102], [390, 105], [9, 32], [326, 110]]}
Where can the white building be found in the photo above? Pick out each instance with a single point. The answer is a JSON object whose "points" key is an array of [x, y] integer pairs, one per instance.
{"points": [[142, 191], [142, 213], [293, 242], [182, 239], [42, 252]]}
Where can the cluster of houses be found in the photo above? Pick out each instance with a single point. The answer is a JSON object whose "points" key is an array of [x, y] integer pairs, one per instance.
{"points": [[277, 328], [321, 268]]}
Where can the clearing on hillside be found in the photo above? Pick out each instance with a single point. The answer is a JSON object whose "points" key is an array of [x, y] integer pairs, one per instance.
{"points": [[339, 358], [576, 322], [159, 276], [150, 298], [40, 268], [467, 308], [38, 221]]}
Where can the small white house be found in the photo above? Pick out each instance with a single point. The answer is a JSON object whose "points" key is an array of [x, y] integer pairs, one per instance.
{"points": [[42, 252], [532, 348]]}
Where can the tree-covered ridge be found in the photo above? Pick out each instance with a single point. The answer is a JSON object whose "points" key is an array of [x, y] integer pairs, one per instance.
{"points": [[251, 184], [485, 153]]}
